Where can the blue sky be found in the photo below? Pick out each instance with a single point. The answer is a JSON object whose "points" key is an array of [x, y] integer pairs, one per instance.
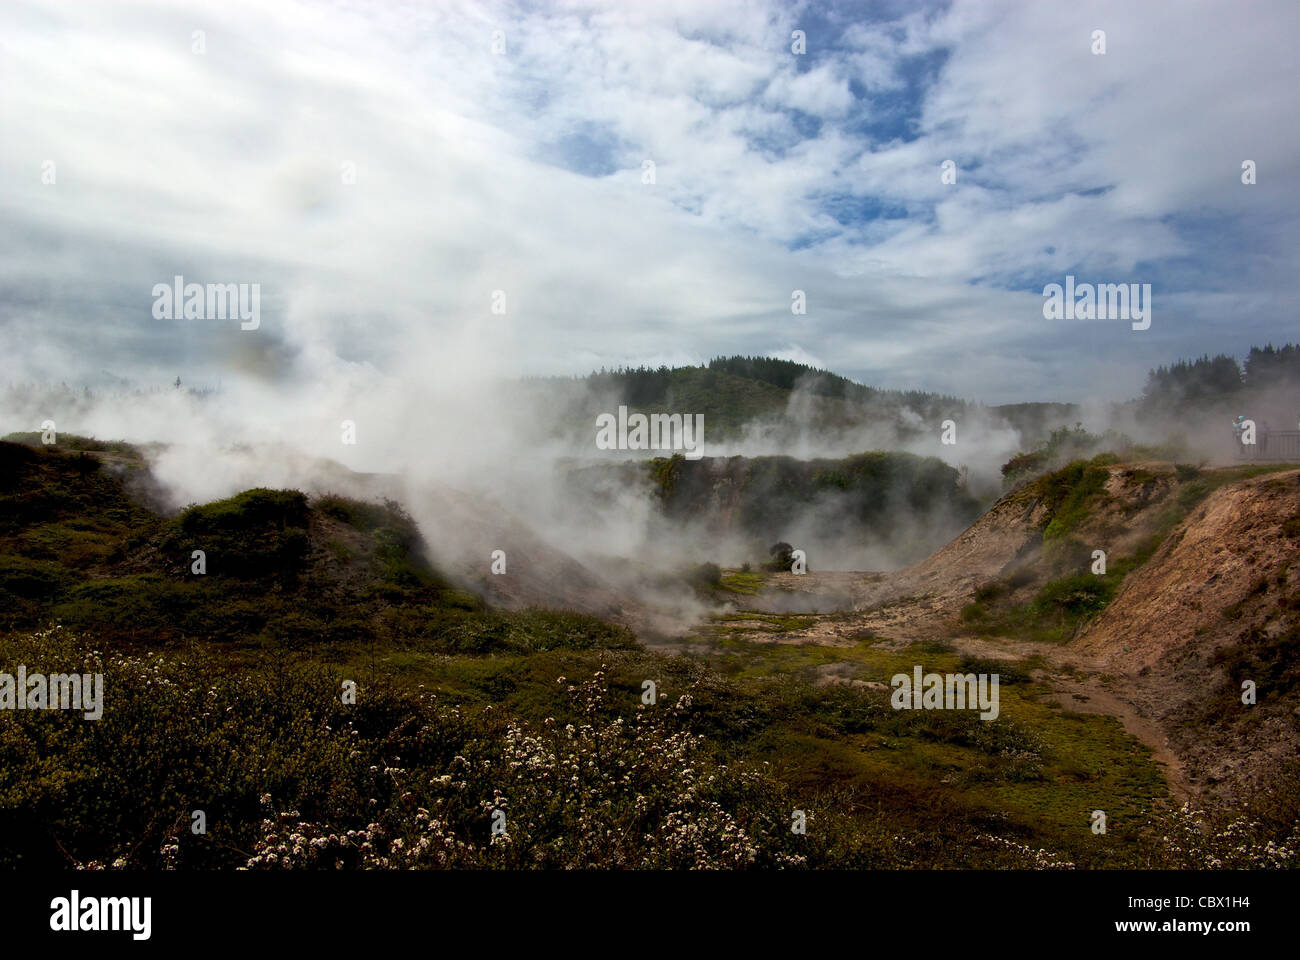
{"points": [[522, 171]]}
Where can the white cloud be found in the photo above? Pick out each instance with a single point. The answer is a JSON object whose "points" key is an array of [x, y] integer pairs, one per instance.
{"points": [[226, 167], [819, 91]]}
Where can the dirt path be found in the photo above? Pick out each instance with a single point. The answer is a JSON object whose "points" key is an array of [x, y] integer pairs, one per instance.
{"points": [[1089, 696], [1078, 682]]}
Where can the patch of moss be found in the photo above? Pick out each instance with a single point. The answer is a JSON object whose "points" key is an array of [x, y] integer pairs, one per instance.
{"points": [[1070, 494]]}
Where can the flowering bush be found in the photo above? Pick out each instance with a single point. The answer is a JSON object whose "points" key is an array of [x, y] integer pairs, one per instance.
{"points": [[398, 780], [603, 793], [1195, 839], [288, 776]]}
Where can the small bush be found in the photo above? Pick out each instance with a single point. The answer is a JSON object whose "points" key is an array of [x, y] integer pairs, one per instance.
{"points": [[782, 555], [706, 574]]}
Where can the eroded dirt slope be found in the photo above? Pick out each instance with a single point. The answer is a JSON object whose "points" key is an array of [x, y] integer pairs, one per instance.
{"points": [[1216, 559], [1217, 605]]}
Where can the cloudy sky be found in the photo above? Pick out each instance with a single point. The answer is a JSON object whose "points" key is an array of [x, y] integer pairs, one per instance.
{"points": [[380, 169]]}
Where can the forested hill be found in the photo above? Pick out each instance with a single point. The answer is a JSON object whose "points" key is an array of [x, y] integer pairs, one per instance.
{"points": [[738, 390], [734, 391], [1269, 376], [649, 386]]}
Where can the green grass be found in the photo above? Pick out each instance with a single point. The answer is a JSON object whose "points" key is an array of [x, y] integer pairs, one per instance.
{"points": [[72, 442], [1041, 768], [742, 583], [1071, 494], [772, 622], [1053, 614]]}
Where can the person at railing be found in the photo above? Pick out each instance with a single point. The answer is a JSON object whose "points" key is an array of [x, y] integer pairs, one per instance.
{"points": [[1238, 433]]}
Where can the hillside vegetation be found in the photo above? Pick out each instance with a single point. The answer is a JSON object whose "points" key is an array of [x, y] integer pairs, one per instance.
{"points": [[223, 694], [736, 394], [282, 572], [892, 503]]}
